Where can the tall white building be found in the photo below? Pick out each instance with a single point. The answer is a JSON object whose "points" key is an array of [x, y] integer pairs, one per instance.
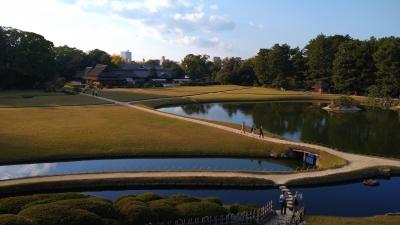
{"points": [[126, 56], [162, 60]]}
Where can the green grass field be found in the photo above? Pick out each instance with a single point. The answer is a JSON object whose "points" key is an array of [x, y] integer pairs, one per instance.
{"points": [[33, 98], [31, 134], [327, 220]]}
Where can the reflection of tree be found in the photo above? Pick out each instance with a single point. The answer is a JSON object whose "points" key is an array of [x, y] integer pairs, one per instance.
{"points": [[370, 131], [196, 108], [232, 109]]}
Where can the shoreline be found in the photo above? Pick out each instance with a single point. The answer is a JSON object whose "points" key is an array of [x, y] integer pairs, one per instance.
{"points": [[185, 180]]}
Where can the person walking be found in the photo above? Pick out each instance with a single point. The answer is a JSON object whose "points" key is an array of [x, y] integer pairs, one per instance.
{"points": [[261, 132], [244, 127], [252, 130], [283, 203]]}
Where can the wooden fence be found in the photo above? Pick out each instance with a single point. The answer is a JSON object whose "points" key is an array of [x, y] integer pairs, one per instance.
{"points": [[245, 218]]}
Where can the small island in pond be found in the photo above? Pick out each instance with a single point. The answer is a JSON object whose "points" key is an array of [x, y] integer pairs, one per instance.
{"points": [[342, 104]]}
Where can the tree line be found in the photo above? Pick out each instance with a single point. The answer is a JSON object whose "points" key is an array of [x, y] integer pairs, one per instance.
{"points": [[340, 63]]}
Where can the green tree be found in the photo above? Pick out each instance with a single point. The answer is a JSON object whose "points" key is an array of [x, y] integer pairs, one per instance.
{"points": [[229, 71], [98, 56], [153, 73], [28, 59], [197, 67], [246, 74], [152, 62], [387, 59], [174, 68], [272, 66], [298, 68], [68, 61], [260, 66], [353, 67], [320, 53]]}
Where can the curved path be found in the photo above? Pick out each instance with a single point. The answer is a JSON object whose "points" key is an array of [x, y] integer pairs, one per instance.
{"points": [[355, 162]]}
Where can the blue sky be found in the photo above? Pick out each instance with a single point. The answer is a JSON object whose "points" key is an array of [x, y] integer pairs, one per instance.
{"points": [[174, 28]]}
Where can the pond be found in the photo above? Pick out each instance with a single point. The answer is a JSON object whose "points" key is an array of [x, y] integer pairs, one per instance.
{"points": [[353, 199], [372, 131], [145, 164]]}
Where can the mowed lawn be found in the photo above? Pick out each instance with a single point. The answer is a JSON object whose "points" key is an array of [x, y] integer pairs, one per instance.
{"points": [[35, 98], [135, 94], [376, 220], [56, 133]]}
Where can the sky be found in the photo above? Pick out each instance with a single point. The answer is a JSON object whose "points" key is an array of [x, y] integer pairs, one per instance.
{"points": [[175, 28]]}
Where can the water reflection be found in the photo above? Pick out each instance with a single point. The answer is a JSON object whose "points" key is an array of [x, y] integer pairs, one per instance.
{"points": [[16, 171], [145, 164], [371, 131]]}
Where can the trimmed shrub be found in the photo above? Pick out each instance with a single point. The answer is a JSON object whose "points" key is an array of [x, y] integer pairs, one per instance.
{"points": [[236, 208], [11, 219], [147, 197], [120, 198], [51, 214], [164, 209], [14, 205], [200, 209], [55, 198], [136, 214], [101, 207], [179, 199], [213, 200]]}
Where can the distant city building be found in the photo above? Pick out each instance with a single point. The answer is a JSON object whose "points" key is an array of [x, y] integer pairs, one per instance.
{"points": [[162, 60], [126, 56]]}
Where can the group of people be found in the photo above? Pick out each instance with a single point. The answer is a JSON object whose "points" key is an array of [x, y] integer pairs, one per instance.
{"points": [[283, 199], [253, 130]]}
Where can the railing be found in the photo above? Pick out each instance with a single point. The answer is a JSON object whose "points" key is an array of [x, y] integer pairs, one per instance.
{"points": [[253, 217]]}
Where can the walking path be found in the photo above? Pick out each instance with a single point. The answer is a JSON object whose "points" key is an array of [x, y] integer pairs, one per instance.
{"points": [[355, 161]]}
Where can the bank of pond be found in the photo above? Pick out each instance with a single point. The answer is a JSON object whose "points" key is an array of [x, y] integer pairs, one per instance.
{"points": [[371, 131]]}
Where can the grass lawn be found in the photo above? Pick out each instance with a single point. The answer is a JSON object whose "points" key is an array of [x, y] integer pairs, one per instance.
{"points": [[327, 220], [35, 98], [135, 94], [36, 134]]}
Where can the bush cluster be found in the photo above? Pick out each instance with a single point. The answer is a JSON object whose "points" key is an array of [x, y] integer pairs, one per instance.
{"points": [[80, 209]]}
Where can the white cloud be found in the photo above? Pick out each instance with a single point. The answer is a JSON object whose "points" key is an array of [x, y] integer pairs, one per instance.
{"points": [[171, 19], [256, 25], [214, 7], [202, 42]]}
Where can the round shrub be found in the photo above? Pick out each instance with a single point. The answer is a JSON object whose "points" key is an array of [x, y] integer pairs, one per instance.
{"points": [[164, 209], [213, 200], [147, 197], [181, 198], [101, 207], [125, 203], [11, 219], [120, 198], [51, 214], [136, 214], [56, 197], [15, 204], [200, 209]]}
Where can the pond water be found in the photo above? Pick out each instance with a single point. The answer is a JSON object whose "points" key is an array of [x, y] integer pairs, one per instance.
{"points": [[144, 164], [353, 199], [372, 131]]}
